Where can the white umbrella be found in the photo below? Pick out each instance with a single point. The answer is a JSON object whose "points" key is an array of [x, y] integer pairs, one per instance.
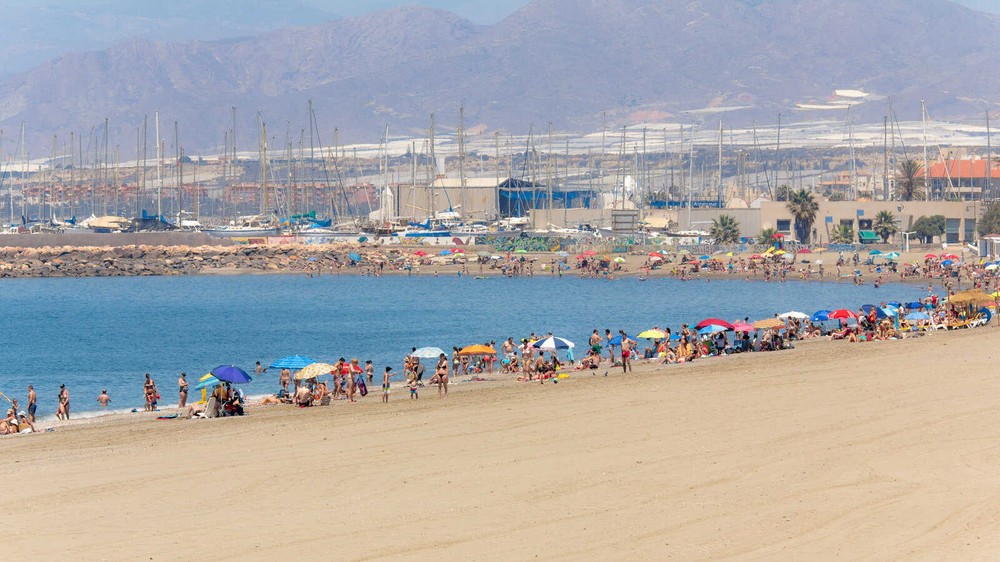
{"points": [[428, 353], [553, 343], [793, 314]]}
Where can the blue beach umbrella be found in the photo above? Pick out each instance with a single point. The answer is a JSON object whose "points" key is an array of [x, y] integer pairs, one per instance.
{"points": [[712, 329], [292, 362], [231, 373], [893, 304], [354, 257], [617, 340], [820, 316], [914, 304], [892, 255], [444, 253], [947, 263], [875, 253], [703, 258], [918, 316]]}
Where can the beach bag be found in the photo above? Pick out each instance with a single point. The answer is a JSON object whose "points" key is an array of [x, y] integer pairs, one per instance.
{"points": [[362, 387]]}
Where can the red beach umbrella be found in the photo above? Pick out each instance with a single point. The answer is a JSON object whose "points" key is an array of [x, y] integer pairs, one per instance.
{"points": [[713, 322], [930, 256], [590, 253], [655, 255], [842, 314], [804, 251], [949, 257], [756, 257], [420, 253]]}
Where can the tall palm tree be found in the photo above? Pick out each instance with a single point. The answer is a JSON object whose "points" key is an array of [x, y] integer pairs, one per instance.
{"points": [[884, 225], [766, 235], [910, 181], [725, 230], [803, 208]]}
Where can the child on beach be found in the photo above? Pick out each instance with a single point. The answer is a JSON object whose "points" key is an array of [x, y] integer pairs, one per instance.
{"points": [[413, 389]]}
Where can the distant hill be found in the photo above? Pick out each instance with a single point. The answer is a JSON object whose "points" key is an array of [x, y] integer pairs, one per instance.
{"points": [[33, 35], [564, 61]]}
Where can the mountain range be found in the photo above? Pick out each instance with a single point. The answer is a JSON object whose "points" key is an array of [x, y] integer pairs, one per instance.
{"points": [[577, 64]]}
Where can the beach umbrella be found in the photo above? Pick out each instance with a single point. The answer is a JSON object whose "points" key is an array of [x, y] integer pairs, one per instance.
{"points": [[617, 340], [520, 251], [842, 314], [231, 373], [914, 304], [655, 255], [820, 316], [793, 314], [768, 323], [894, 304], [652, 335], [207, 381], [354, 257], [428, 352], [756, 257], [712, 329], [741, 326], [619, 259], [915, 316], [780, 253], [457, 251], [713, 321], [444, 253], [420, 253], [991, 266], [930, 256], [703, 258], [947, 263], [553, 343], [885, 312], [970, 297], [875, 253], [496, 257], [892, 255], [292, 362], [590, 253], [314, 370], [477, 350], [949, 257], [804, 251], [655, 259]]}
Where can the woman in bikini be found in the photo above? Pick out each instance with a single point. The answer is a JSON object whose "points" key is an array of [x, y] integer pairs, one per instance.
{"points": [[441, 372]]}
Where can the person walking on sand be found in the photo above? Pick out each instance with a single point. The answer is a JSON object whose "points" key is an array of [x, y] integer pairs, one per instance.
{"points": [[627, 347], [104, 399], [182, 389], [385, 384], [442, 375], [32, 402]]}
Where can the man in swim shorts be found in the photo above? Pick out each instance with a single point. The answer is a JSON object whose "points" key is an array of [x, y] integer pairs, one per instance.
{"points": [[385, 384], [32, 402]]}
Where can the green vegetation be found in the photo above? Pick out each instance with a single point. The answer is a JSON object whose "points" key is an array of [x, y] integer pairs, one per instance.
{"points": [[929, 227], [909, 181], [885, 225], [843, 234], [725, 230], [803, 208]]}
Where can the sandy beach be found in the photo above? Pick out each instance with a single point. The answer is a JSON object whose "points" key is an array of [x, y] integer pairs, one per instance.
{"points": [[883, 450]]}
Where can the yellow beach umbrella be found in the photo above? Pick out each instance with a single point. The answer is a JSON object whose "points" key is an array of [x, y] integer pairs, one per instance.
{"points": [[477, 350], [313, 370], [652, 335]]}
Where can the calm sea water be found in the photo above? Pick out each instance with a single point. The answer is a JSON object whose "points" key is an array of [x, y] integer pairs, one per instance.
{"points": [[94, 334]]}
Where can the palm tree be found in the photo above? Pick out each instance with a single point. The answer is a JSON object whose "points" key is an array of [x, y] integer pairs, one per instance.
{"points": [[909, 181], [803, 208], [843, 234], [725, 230], [766, 235], [884, 225]]}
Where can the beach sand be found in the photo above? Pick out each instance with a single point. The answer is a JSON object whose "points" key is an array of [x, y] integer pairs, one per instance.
{"points": [[882, 450]]}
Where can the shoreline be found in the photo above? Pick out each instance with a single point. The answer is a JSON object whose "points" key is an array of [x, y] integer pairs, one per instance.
{"points": [[885, 452]]}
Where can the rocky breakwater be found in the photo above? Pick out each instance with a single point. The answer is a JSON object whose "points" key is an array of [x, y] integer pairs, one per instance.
{"points": [[108, 261]]}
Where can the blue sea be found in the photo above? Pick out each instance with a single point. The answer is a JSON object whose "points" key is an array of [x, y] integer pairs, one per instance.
{"points": [[106, 333]]}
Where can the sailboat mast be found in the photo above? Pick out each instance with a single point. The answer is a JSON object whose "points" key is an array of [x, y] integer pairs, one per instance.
{"points": [[430, 203], [159, 170]]}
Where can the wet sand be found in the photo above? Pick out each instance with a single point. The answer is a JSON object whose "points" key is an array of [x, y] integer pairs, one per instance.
{"points": [[881, 450]]}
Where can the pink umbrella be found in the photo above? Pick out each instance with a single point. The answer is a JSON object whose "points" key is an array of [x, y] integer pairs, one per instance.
{"points": [[740, 326]]}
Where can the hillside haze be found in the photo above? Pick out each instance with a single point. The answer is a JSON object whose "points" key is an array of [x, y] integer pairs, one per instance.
{"points": [[562, 61]]}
